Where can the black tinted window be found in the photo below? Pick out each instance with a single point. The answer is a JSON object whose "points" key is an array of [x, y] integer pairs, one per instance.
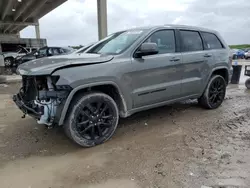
{"points": [[43, 51], [165, 41], [56, 51], [211, 41], [61, 51], [191, 41]]}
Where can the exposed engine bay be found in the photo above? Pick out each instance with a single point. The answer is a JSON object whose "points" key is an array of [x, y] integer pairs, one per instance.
{"points": [[41, 98]]}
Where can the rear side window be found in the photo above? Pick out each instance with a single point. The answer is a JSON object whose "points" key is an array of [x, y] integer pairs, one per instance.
{"points": [[165, 40], [61, 51], [211, 41], [191, 41], [56, 51]]}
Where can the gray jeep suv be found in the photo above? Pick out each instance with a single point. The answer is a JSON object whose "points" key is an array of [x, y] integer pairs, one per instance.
{"points": [[127, 72]]}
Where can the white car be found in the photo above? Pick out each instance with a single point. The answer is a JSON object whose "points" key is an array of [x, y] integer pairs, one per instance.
{"points": [[247, 55], [9, 57]]}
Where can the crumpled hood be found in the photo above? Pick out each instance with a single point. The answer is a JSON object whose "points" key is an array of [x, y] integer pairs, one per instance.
{"points": [[46, 66]]}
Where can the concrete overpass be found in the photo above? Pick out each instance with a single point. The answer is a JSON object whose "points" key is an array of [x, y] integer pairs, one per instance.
{"points": [[15, 15]]}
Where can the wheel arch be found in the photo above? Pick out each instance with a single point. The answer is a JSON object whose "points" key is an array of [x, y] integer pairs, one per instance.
{"points": [[222, 71], [110, 88], [9, 57]]}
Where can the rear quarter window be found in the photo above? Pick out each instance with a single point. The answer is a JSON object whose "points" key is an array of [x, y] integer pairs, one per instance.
{"points": [[211, 41]]}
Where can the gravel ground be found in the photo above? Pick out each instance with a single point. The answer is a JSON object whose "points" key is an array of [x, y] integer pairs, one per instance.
{"points": [[175, 146]]}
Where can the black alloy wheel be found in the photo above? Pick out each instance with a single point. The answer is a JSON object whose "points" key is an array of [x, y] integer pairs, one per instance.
{"points": [[214, 93], [93, 119], [8, 62]]}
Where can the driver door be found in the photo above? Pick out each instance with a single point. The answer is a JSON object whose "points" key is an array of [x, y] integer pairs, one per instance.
{"points": [[157, 78], [41, 53]]}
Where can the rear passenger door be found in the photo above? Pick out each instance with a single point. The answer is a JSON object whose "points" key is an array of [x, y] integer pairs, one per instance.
{"points": [[214, 46], [195, 62]]}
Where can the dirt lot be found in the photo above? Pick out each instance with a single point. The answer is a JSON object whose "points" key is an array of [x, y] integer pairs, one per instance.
{"points": [[176, 146]]}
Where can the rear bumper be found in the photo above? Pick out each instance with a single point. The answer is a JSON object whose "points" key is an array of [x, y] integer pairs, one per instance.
{"points": [[24, 108]]}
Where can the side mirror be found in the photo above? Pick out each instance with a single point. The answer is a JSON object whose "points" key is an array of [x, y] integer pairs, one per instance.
{"points": [[147, 48]]}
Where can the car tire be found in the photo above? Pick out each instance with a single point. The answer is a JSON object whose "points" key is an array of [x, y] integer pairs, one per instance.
{"points": [[92, 119], [214, 93], [8, 62], [247, 83]]}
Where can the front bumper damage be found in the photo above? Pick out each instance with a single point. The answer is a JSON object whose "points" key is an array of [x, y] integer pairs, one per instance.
{"points": [[41, 99], [25, 108]]}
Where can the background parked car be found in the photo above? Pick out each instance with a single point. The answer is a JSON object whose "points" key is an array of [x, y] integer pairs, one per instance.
{"points": [[43, 52], [9, 57], [247, 55], [238, 53]]}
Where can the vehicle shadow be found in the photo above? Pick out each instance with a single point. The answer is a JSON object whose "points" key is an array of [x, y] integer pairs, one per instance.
{"points": [[25, 138], [154, 117]]}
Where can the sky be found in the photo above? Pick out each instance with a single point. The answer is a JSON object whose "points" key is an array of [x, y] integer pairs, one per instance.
{"points": [[75, 21]]}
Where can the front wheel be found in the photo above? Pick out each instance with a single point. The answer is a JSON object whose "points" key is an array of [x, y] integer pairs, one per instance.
{"points": [[92, 120], [214, 93], [8, 61]]}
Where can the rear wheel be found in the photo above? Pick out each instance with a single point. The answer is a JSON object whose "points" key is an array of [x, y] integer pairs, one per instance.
{"points": [[92, 119], [214, 93], [247, 83], [8, 61]]}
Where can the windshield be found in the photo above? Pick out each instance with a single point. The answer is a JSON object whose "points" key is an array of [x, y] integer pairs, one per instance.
{"points": [[117, 43], [83, 49]]}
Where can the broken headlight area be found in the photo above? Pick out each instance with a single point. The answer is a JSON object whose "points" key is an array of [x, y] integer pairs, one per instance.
{"points": [[41, 98]]}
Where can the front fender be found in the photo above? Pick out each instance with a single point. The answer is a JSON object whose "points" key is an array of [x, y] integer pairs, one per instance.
{"points": [[73, 92]]}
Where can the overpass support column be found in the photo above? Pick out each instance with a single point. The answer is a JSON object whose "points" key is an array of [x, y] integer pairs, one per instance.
{"points": [[102, 18], [37, 28]]}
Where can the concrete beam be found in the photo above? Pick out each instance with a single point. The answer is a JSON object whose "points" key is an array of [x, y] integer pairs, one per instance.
{"points": [[102, 18], [22, 9], [17, 23], [37, 7], [7, 28], [32, 9], [8, 7]]}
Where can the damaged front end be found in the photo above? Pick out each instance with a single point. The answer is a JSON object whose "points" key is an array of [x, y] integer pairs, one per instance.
{"points": [[41, 98]]}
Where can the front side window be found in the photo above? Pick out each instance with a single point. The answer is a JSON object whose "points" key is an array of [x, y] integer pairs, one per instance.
{"points": [[211, 41], [42, 51], [191, 41], [117, 43], [165, 40]]}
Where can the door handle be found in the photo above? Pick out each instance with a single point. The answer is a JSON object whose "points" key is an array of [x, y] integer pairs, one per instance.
{"points": [[207, 55], [175, 59]]}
